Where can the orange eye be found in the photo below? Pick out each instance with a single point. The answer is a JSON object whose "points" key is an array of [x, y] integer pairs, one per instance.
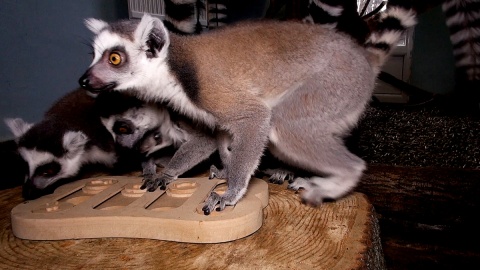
{"points": [[115, 59], [123, 130]]}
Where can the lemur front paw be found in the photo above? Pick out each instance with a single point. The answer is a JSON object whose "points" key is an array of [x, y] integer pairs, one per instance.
{"points": [[153, 181], [212, 202], [217, 173], [218, 202]]}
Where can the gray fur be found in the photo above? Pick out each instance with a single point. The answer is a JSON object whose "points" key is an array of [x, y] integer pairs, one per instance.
{"points": [[303, 91], [198, 148], [152, 129]]}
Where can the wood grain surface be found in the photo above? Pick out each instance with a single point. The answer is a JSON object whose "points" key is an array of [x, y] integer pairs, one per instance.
{"points": [[340, 235]]}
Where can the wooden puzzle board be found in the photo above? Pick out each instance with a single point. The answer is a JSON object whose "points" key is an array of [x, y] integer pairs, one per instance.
{"points": [[115, 206], [337, 236]]}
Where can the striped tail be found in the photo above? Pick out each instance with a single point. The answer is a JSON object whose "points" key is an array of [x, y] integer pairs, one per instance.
{"points": [[463, 20], [339, 15], [181, 16], [388, 30]]}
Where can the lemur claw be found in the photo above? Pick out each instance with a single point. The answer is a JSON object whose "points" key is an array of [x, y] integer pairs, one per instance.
{"points": [[280, 176]]}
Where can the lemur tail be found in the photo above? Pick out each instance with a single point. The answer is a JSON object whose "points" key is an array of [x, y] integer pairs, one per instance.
{"points": [[389, 28]]}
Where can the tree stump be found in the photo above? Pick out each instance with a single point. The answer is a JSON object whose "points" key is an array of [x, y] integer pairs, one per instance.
{"points": [[338, 235]]}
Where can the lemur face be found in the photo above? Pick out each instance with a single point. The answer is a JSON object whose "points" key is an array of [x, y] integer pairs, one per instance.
{"points": [[49, 161], [153, 141], [124, 54], [132, 127]]}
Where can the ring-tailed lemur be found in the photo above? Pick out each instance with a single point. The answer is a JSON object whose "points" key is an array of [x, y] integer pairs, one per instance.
{"points": [[69, 136], [149, 128], [158, 134], [300, 87]]}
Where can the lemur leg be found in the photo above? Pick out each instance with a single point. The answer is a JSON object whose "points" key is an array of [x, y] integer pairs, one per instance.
{"points": [[189, 154], [307, 130], [249, 136], [223, 140], [341, 169], [276, 174], [149, 168]]}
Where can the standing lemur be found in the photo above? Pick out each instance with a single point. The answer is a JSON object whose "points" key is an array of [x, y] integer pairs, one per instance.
{"points": [[71, 134], [129, 126], [157, 133], [297, 88]]}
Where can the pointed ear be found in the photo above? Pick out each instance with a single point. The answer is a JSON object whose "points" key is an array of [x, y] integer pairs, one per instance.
{"points": [[95, 25], [152, 35], [74, 142], [17, 126]]}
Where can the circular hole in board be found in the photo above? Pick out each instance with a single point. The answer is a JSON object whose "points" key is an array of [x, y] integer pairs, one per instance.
{"points": [[77, 200], [53, 207], [133, 190], [181, 189], [220, 188], [98, 185]]}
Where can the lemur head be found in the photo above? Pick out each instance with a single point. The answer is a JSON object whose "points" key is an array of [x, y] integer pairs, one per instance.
{"points": [[52, 152], [125, 52], [154, 140], [132, 126]]}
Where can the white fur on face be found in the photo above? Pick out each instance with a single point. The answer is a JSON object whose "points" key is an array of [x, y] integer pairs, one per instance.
{"points": [[70, 165], [35, 158], [149, 78], [147, 117], [97, 155], [143, 119]]}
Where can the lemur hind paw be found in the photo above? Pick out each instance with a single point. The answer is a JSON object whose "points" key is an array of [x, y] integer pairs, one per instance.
{"points": [[279, 176], [310, 193], [299, 183], [217, 173], [152, 182]]}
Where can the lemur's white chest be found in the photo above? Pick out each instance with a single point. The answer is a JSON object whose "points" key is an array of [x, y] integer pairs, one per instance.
{"points": [[163, 86]]}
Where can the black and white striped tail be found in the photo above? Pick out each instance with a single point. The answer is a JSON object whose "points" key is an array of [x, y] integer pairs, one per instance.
{"points": [[463, 21], [390, 26], [339, 15], [181, 16], [217, 13]]}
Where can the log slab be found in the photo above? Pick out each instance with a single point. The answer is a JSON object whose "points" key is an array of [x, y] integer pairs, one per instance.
{"points": [[339, 235]]}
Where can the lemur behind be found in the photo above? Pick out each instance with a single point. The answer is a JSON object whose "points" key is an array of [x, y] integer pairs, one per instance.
{"points": [[69, 136], [293, 87]]}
